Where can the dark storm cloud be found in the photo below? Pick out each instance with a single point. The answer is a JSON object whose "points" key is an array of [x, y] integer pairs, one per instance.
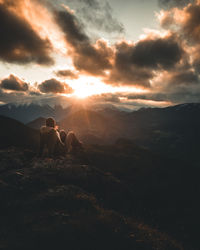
{"points": [[19, 43], [71, 26], [124, 72], [92, 59], [14, 83], [134, 63], [54, 86], [67, 74], [174, 3], [161, 53]]}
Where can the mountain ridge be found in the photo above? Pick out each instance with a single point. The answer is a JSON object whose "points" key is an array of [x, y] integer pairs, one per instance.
{"points": [[171, 131]]}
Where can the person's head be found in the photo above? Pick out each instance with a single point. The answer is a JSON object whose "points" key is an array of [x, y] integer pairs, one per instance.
{"points": [[50, 122]]}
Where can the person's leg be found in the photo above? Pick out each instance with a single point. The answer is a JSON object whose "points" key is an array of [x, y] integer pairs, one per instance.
{"points": [[69, 140], [72, 142]]}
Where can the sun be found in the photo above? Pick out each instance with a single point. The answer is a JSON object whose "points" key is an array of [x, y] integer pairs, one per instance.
{"points": [[88, 86], [81, 93], [83, 90]]}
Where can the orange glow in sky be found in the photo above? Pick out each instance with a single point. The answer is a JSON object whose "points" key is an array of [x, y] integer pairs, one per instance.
{"points": [[88, 86]]}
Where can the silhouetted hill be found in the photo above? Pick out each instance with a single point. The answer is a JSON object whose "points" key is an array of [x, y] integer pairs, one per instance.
{"points": [[173, 130], [96, 124], [66, 203], [14, 133], [164, 191]]}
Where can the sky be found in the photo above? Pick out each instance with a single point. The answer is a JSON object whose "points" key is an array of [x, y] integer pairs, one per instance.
{"points": [[128, 53]]}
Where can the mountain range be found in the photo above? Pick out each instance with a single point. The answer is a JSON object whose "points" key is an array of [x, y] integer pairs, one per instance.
{"points": [[171, 131], [26, 113]]}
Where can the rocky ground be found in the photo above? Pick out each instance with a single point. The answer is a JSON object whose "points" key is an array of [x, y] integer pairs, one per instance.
{"points": [[67, 203]]}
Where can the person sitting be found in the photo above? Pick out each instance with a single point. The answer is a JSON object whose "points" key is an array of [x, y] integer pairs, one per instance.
{"points": [[55, 142], [72, 144]]}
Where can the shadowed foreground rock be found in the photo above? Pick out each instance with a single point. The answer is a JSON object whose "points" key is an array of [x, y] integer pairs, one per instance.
{"points": [[64, 203]]}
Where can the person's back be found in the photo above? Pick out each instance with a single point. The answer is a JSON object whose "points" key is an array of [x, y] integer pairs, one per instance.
{"points": [[49, 138]]}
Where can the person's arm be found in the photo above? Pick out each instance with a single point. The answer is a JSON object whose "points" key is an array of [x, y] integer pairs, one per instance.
{"points": [[59, 139]]}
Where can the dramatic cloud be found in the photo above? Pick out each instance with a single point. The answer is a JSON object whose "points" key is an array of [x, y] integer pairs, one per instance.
{"points": [[19, 43], [54, 86], [134, 63], [164, 64], [96, 14], [99, 15], [71, 27], [127, 64], [122, 64], [185, 22], [14, 83], [131, 101], [31, 97], [178, 94], [175, 95], [191, 23], [67, 74], [92, 59], [124, 73], [157, 53]]}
